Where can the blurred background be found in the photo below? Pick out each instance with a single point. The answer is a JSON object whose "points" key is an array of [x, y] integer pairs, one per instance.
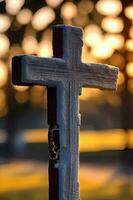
{"points": [[106, 136]]}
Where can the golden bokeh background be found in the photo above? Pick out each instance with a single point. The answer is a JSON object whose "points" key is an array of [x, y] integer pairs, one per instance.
{"points": [[107, 117]]}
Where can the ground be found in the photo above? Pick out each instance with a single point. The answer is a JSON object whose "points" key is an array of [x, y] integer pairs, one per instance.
{"points": [[28, 179]]}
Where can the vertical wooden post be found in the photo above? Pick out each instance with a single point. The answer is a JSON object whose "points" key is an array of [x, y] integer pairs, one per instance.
{"points": [[53, 138]]}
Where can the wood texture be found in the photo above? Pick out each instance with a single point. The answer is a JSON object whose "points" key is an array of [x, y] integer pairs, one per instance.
{"points": [[68, 74]]}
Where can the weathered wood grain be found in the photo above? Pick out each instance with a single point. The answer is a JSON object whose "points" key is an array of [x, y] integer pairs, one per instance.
{"points": [[68, 74]]}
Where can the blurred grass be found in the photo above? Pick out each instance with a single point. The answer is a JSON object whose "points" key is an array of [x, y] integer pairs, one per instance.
{"points": [[123, 193]]}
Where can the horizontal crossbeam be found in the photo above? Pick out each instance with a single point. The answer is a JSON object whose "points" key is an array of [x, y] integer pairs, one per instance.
{"points": [[43, 71]]}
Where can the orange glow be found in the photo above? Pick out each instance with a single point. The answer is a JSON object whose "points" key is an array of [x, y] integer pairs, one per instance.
{"points": [[29, 45], [129, 45], [24, 16], [37, 95], [129, 12], [92, 35], [42, 18], [103, 51], [112, 25], [4, 45], [13, 6], [117, 60], [45, 49], [89, 140], [54, 3], [22, 97], [121, 78], [88, 93], [115, 40], [3, 73], [131, 32], [85, 7], [4, 23], [85, 94], [3, 105], [39, 135], [129, 69], [20, 88], [130, 88], [68, 10], [102, 141], [109, 7]]}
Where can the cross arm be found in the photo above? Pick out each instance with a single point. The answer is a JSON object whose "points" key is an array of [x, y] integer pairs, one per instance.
{"points": [[101, 76], [29, 70]]}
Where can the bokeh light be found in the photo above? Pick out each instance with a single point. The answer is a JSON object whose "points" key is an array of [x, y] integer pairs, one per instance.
{"points": [[3, 73], [85, 7], [4, 23], [115, 40], [92, 35], [129, 69], [109, 7], [20, 88], [13, 6], [68, 10], [45, 49], [42, 18], [22, 97], [121, 78], [129, 12], [131, 31], [117, 60], [4, 45], [3, 103], [37, 95], [24, 16], [102, 51], [129, 45], [112, 25], [54, 3], [130, 85], [29, 44]]}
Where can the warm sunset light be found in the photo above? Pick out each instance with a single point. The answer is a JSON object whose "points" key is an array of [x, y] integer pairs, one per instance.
{"points": [[24, 16], [4, 45], [129, 12], [129, 45], [42, 18], [115, 40], [29, 45], [44, 49], [13, 6], [112, 25], [129, 69], [68, 10], [92, 35], [109, 7], [54, 3], [3, 73], [4, 23]]}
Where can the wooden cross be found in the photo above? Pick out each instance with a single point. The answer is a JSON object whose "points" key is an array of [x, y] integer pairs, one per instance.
{"points": [[64, 75]]}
